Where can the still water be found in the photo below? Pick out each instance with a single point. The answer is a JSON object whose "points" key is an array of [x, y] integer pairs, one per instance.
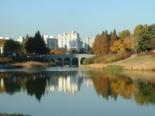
{"points": [[76, 92]]}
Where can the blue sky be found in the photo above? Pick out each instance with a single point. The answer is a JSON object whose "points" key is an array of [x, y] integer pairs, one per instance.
{"points": [[88, 17]]}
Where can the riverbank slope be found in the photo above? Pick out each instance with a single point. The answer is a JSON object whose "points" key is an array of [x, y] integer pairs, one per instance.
{"points": [[135, 62]]}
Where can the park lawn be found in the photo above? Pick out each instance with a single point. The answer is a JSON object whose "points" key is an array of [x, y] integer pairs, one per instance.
{"points": [[142, 62]]}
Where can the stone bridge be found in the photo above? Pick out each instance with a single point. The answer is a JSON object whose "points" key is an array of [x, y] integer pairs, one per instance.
{"points": [[69, 59]]}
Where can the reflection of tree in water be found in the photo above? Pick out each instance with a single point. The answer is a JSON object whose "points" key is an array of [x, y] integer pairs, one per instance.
{"points": [[146, 93], [14, 82], [12, 86], [143, 92], [34, 83], [36, 87]]}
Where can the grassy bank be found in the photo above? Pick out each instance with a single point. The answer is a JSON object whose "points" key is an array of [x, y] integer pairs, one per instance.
{"points": [[136, 62], [142, 62]]}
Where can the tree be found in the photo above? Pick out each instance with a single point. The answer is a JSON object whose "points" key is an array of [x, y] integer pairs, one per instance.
{"points": [[140, 30], [124, 34], [102, 44], [11, 47], [40, 46], [56, 52], [23, 44], [2, 42], [117, 47], [144, 43], [35, 44], [124, 46], [29, 45], [147, 39], [113, 38]]}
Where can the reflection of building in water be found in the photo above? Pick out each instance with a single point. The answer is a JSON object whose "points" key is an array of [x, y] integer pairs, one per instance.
{"points": [[68, 84], [65, 84], [2, 88], [2, 83]]}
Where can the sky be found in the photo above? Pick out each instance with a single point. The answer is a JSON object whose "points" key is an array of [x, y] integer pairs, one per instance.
{"points": [[87, 17]]}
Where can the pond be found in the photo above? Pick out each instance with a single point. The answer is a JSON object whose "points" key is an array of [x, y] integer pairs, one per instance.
{"points": [[76, 92]]}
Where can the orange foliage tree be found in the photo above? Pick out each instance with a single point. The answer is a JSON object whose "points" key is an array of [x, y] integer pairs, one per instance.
{"points": [[56, 52]]}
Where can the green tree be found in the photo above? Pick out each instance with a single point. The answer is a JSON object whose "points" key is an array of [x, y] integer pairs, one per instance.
{"points": [[11, 46], [147, 40], [144, 43], [29, 45], [35, 44]]}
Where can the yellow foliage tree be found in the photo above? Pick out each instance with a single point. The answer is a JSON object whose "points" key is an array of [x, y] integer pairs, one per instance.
{"points": [[125, 45], [2, 42]]}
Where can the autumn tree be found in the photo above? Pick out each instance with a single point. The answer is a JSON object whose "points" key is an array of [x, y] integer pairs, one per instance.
{"points": [[124, 46], [56, 52], [140, 30], [101, 44], [113, 38], [2, 42]]}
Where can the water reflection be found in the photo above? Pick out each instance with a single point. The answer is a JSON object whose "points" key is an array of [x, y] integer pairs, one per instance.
{"points": [[107, 85], [128, 85], [37, 84]]}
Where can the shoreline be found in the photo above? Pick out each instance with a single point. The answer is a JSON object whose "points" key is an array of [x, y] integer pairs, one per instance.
{"points": [[125, 67], [28, 64], [133, 63]]}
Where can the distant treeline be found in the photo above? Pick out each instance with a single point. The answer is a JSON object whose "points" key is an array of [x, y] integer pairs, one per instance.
{"points": [[141, 40]]}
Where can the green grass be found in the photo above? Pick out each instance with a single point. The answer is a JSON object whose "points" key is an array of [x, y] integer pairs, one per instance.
{"points": [[142, 62], [110, 58], [139, 59]]}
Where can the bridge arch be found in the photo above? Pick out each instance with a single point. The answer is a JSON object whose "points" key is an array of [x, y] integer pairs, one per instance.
{"points": [[82, 59], [67, 61], [52, 60], [75, 61], [59, 61]]}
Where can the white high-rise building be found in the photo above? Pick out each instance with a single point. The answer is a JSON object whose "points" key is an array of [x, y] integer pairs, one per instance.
{"points": [[51, 42], [69, 40]]}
